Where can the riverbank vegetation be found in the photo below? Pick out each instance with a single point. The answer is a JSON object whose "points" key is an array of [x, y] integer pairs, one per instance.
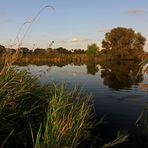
{"points": [[53, 116], [119, 44], [39, 116]]}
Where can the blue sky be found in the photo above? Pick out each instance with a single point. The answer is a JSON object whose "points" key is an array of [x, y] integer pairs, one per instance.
{"points": [[73, 23]]}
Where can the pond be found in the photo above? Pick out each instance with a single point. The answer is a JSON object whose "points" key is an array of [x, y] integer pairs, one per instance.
{"points": [[118, 92]]}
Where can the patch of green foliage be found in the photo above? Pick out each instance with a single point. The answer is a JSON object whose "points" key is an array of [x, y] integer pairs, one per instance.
{"points": [[92, 50]]}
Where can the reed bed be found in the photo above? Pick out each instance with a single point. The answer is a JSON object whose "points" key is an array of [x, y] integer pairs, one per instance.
{"points": [[39, 116], [42, 116]]}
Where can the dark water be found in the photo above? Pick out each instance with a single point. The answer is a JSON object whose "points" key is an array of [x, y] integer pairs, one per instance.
{"points": [[117, 90]]}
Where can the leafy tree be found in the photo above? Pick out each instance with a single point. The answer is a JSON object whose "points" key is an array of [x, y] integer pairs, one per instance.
{"points": [[124, 43], [2, 49], [92, 49], [11, 50], [24, 50], [62, 50], [40, 51], [78, 51]]}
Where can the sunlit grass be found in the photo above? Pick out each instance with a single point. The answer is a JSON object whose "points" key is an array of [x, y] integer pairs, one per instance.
{"points": [[121, 137], [44, 116], [22, 101], [67, 120], [51, 114]]}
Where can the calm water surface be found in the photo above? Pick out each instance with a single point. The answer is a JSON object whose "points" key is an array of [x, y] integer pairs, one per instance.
{"points": [[117, 91]]}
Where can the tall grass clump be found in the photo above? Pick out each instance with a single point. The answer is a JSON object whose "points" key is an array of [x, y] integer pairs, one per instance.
{"points": [[39, 116], [68, 120], [13, 85], [22, 101]]}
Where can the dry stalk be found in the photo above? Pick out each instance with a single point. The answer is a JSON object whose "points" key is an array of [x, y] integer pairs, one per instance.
{"points": [[10, 58]]}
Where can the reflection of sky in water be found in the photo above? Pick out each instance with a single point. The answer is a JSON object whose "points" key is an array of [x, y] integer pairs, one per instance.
{"points": [[121, 107], [74, 75]]}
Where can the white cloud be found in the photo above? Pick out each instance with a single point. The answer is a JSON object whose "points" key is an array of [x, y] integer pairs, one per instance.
{"points": [[104, 30], [136, 11], [76, 40]]}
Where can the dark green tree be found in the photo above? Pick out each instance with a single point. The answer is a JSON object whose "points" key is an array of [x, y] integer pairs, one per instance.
{"points": [[61, 50], [78, 51], [124, 43], [2, 49], [24, 50], [40, 51], [92, 50]]}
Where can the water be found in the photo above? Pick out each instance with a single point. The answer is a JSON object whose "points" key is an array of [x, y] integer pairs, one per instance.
{"points": [[117, 90]]}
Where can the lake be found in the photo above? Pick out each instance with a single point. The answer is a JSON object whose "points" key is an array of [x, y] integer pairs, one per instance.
{"points": [[118, 92]]}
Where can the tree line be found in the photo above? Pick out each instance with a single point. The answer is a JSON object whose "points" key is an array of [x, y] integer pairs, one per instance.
{"points": [[119, 43]]}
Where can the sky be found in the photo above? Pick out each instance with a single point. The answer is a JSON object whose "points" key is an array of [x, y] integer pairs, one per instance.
{"points": [[72, 24]]}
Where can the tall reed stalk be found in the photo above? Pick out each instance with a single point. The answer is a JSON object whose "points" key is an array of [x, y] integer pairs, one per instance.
{"points": [[9, 58]]}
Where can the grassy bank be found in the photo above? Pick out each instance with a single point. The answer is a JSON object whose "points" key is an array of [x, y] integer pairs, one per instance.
{"points": [[41, 116]]}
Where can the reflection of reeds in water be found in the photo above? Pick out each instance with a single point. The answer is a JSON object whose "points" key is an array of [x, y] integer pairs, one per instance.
{"points": [[143, 87], [44, 72]]}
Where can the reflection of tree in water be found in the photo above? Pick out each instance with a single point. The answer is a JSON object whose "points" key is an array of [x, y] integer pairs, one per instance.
{"points": [[121, 75], [49, 63], [92, 68]]}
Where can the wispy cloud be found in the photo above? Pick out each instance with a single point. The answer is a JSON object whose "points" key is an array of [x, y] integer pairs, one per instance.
{"points": [[104, 30], [76, 40], [4, 17], [136, 12], [44, 36]]}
